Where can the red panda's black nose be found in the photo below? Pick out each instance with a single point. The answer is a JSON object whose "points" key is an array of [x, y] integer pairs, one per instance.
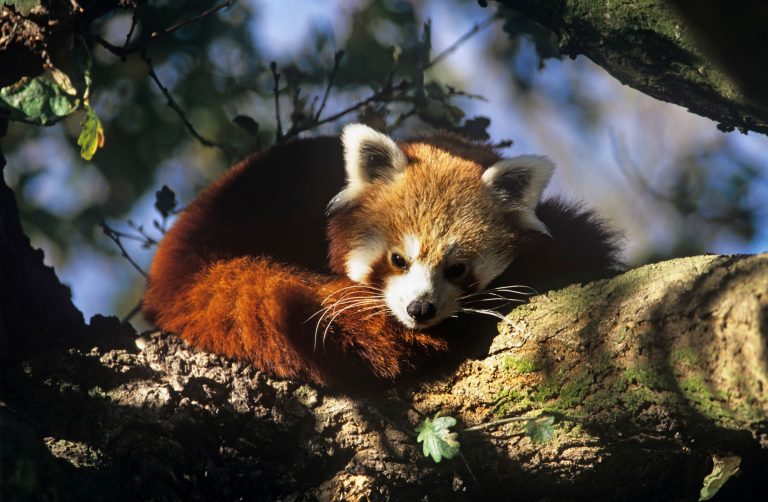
{"points": [[421, 311]]}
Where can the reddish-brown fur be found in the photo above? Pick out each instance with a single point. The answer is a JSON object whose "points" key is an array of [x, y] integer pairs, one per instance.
{"points": [[215, 282], [246, 266]]}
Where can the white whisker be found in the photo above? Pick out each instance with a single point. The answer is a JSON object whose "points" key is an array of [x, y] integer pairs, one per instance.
{"points": [[515, 287], [360, 287], [317, 327], [364, 293], [491, 313], [339, 303], [505, 301], [494, 296], [328, 326], [382, 310]]}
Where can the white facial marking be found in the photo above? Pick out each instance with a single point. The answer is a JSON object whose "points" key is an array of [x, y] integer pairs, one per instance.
{"points": [[362, 257], [412, 245], [425, 283], [416, 284]]}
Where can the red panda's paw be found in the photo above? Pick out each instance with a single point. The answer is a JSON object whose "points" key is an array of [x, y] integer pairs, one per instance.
{"points": [[356, 320]]}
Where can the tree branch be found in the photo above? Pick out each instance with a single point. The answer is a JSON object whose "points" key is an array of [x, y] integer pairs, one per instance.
{"points": [[331, 79], [695, 54], [476, 28], [175, 107], [116, 238], [124, 51], [276, 92]]}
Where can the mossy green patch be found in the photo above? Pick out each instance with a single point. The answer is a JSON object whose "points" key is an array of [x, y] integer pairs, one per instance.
{"points": [[687, 358], [546, 390], [706, 401], [600, 400], [645, 375], [520, 364], [637, 398], [575, 391], [752, 409], [603, 365], [508, 402]]}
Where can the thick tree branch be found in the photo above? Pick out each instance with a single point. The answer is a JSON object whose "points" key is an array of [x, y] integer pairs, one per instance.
{"points": [[699, 55], [655, 372]]}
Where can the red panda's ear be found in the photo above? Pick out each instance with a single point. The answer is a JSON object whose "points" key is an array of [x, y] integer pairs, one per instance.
{"points": [[518, 183], [368, 156]]}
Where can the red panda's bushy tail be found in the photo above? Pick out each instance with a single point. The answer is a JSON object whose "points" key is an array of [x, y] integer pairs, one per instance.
{"points": [[270, 314]]}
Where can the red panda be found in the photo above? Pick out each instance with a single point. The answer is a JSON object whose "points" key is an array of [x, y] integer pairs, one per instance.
{"points": [[330, 257]]}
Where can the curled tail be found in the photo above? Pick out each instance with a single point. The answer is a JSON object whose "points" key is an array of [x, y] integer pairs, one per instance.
{"points": [[286, 321]]}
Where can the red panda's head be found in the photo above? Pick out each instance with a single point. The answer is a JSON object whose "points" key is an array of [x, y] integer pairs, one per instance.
{"points": [[427, 223]]}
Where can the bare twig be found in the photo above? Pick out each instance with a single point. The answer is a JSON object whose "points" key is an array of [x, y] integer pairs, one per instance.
{"points": [[494, 423], [402, 118], [276, 79], [181, 24], [381, 95], [387, 94], [145, 238], [384, 94], [476, 28], [331, 79], [175, 107], [125, 50], [116, 236], [135, 310], [497, 423], [134, 22]]}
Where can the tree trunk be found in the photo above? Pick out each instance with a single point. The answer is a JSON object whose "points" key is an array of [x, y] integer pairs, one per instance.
{"points": [[36, 310], [656, 371], [696, 54]]}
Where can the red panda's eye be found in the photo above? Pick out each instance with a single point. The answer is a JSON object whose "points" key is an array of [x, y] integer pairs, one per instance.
{"points": [[455, 271], [399, 261]]}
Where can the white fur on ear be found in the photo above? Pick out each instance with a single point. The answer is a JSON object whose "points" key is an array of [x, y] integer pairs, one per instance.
{"points": [[518, 182], [368, 155]]}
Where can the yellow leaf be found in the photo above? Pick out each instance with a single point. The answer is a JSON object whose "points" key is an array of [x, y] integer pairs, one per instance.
{"points": [[92, 136]]}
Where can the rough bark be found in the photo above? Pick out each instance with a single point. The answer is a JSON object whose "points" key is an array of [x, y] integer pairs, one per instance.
{"points": [[660, 368], [697, 54]]}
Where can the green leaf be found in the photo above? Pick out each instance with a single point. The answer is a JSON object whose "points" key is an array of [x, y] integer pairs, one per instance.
{"points": [[722, 471], [438, 441], [540, 429], [38, 99], [165, 201], [92, 136], [23, 7]]}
